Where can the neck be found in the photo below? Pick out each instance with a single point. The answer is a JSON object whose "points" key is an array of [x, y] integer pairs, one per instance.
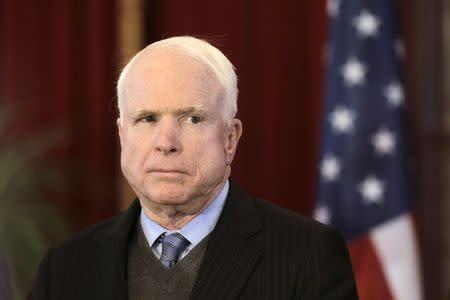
{"points": [[172, 217]]}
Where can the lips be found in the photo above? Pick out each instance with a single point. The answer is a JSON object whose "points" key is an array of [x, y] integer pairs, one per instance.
{"points": [[166, 171]]}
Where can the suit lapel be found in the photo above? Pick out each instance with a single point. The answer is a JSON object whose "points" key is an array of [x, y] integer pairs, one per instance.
{"points": [[111, 273], [229, 259], [232, 250]]}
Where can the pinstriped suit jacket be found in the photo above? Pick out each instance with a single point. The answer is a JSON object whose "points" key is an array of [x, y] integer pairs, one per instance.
{"points": [[256, 251]]}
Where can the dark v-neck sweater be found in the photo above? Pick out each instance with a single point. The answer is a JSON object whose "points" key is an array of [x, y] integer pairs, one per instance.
{"points": [[149, 279]]}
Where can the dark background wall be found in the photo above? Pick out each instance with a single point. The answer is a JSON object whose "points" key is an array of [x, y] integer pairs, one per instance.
{"points": [[57, 69]]}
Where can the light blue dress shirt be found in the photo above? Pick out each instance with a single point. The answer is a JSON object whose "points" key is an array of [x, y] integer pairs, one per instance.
{"points": [[194, 231]]}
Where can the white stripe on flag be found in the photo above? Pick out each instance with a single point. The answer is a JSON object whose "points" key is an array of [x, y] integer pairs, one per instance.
{"points": [[395, 244]]}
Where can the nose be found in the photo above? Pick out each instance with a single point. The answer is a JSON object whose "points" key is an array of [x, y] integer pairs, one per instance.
{"points": [[167, 138]]}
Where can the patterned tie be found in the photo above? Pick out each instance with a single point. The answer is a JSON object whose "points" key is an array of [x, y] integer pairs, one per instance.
{"points": [[172, 246]]}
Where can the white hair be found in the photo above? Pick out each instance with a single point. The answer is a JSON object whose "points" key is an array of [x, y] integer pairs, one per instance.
{"points": [[206, 54]]}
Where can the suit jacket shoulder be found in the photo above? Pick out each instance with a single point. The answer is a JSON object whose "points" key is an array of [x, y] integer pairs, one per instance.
{"points": [[261, 251], [91, 265], [318, 251]]}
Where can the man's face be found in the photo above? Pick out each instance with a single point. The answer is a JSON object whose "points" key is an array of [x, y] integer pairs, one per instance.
{"points": [[176, 148]]}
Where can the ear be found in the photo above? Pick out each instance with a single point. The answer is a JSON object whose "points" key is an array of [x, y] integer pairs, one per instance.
{"points": [[119, 127], [233, 134]]}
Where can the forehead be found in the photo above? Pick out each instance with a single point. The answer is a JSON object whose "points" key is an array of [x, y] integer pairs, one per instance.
{"points": [[166, 78]]}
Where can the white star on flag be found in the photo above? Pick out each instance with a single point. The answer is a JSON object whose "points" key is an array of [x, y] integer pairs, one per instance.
{"points": [[322, 214], [394, 94], [372, 189], [366, 24], [330, 168], [384, 142], [342, 120], [354, 72], [333, 8]]}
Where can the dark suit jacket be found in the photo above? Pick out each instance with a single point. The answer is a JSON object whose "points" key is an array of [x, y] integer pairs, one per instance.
{"points": [[256, 251]]}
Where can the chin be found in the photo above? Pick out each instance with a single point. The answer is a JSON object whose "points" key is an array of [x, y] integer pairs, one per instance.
{"points": [[168, 201], [168, 195]]}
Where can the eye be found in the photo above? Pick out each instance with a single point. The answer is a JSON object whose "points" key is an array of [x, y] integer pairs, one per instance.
{"points": [[194, 119], [149, 119]]}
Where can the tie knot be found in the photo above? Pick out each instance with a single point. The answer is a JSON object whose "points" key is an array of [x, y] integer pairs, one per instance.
{"points": [[172, 247]]}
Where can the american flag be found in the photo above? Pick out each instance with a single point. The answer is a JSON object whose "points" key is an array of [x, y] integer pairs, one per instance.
{"points": [[364, 187]]}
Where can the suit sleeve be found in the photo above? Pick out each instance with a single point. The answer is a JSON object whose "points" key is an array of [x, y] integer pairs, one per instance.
{"points": [[40, 290], [334, 269], [327, 273]]}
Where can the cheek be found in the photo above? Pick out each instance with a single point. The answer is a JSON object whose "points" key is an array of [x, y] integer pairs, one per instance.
{"points": [[126, 161], [210, 155], [127, 149], [134, 149]]}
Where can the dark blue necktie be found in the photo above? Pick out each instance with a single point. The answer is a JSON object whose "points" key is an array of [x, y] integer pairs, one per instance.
{"points": [[172, 246]]}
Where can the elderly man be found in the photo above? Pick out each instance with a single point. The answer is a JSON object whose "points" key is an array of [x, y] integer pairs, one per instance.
{"points": [[191, 232]]}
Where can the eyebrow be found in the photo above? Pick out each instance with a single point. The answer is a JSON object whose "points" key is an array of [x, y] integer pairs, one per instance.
{"points": [[197, 108]]}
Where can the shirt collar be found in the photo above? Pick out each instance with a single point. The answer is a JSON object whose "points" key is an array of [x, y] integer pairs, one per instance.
{"points": [[196, 229]]}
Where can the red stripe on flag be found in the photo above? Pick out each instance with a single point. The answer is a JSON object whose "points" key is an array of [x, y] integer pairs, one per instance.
{"points": [[369, 276]]}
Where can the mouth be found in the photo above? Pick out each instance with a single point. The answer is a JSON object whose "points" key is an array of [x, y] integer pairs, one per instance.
{"points": [[166, 172]]}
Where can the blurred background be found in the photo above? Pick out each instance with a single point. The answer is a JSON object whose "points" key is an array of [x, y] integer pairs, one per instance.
{"points": [[59, 150]]}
